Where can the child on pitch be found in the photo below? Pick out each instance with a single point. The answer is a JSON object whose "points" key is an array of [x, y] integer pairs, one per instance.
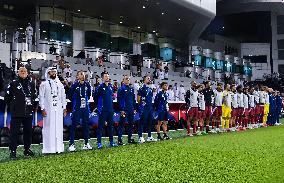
{"points": [[201, 110], [217, 110], [252, 116], [162, 107], [234, 107], [226, 108], [240, 99], [246, 108]]}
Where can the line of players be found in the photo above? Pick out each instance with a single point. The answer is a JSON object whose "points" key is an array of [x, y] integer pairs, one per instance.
{"points": [[233, 108], [80, 93]]}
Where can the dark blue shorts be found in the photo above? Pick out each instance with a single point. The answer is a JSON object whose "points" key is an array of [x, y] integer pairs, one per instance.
{"points": [[163, 116]]}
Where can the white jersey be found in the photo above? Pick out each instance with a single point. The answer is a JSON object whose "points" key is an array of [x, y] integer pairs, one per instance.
{"points": [[246, 101], [171, 95], [261, 97], [234, 100], [251, 100], [266, 96], [193, 98], [256, 97], [240, 99], [201, 101], [227, 98], [181, 94], [218, 98]]}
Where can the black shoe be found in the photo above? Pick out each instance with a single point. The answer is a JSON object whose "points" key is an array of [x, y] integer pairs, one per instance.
{"points": [[28, 152], [132, 141], [13, 155], [159, 137], [120, 143], [166, 137]]}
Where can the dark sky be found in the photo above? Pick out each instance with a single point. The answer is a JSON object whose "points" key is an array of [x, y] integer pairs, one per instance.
{"points": [[245, 27]]}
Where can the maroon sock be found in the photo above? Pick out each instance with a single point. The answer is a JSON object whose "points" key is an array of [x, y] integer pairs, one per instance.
{"points": [[207, 128], [188, 128], [213, 124], [201, 128], [230, 125], [194, 128], [217, 124]]}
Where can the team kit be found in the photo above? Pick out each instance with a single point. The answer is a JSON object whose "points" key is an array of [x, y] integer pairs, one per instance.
{"points": [[227, 108]]}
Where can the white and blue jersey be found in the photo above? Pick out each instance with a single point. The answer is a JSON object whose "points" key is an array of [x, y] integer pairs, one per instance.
{"points": [[79, 94]]}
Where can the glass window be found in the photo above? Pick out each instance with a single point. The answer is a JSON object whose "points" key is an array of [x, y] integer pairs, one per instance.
{"points": [[248, 70], [56, 31], [97, 39], [208, 62], [120, 44]]}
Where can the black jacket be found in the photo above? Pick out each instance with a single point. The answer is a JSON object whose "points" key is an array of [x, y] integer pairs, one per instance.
{"points": [[208, 94], [15, 97]]}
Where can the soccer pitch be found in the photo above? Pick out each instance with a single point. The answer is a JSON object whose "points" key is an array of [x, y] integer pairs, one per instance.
{"points": [[251, 156]]}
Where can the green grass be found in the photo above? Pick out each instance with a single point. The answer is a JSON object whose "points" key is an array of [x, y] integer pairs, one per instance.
{"points": [[251, 156]]}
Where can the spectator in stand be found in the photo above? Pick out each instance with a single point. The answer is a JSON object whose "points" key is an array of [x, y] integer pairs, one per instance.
{"points": [[81, 54], [89, 75], [61, 64], [171, 93], [70, 52], [166, 68], [166, 75], [67, 73], [136, 87], [100, 61], [52, 49], [89, 61], [56, 61], [161, 74], [105, 71], [182, 93], [176, 92]]}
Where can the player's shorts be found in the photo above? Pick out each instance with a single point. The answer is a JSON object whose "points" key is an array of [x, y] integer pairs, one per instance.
{"points": [[251, 112], [226, 111], [261, 109], [217, 111], [193, 112], [234, 112], [257, 109], [207, 111], [246, 113], [201, 114], [240, 111], [163, 116]]}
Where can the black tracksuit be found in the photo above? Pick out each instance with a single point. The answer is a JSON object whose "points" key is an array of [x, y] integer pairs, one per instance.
{"points": [[20, 97]]}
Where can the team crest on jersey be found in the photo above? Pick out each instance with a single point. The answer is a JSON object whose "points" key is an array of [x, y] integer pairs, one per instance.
{"points": [[19, 87]]}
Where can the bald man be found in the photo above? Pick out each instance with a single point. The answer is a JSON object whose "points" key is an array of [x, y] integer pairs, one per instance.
{"points": [[20, 97]]}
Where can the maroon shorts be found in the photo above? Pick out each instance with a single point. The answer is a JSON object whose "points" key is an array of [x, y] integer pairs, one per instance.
{"points": [[246, 113], [207, 111], [201, 114], [261, 109], [193, 112], [252, 112], [234, 112], [240, 111], [257, 109], [217, 112]]}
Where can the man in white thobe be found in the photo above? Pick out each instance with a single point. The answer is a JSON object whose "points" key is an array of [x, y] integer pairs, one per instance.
{"points": [[52, 100]]}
